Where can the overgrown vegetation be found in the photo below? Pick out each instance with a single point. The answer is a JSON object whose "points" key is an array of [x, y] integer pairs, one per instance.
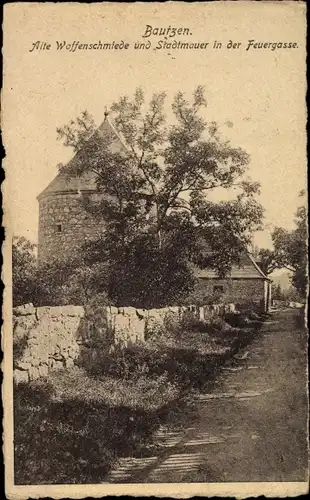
{"points": [[73, 426]]}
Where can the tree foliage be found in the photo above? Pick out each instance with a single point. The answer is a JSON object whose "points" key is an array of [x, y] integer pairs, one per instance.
{"points": [[160, 220], [289, 251], [57, 282], [25, 287], [77, 132], [268, 261]]}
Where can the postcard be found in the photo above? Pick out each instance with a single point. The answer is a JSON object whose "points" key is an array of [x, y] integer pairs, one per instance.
{"points": [[155, 253]]}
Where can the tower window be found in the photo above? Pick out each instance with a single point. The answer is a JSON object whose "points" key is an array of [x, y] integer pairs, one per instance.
{"points": [[58, 228]]}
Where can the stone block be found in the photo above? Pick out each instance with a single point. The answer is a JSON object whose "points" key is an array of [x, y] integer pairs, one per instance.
{"points": [[74, 350], [23, 365], [130, 311], [75, 311], [136, 328], [43, 311], [43, 370], [207, 312], [33, 373], [26, 357], [20, 376], [57, 356], [142, 313], [113, 310], [35, 361], [43, 355], [58, 365], [69, 363], [19, 333], [33, 338], [24, 310], [62, 344], [58, 311], [22, 325], [201, 313]]}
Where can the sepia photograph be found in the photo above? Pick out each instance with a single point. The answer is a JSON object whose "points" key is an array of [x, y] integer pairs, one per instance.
{"points": [[155, 260]]}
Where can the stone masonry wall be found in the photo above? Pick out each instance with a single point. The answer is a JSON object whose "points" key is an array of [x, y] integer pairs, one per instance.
{"points": [[136, 325], [50, 338], [47, 339], [64, 224]]}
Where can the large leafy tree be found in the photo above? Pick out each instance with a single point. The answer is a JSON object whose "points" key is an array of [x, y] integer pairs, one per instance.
{"points": [[290, 248], [289, 251], [159, 216]]}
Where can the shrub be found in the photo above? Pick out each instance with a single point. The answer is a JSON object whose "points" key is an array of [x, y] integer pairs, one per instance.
{"points": [[237, 320], [185, 361], [212, 325], [24, 271]]}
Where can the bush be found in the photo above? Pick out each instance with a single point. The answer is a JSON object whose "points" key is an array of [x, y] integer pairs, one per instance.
{"points": [[237, 320], [187, 359], [212, 325], [24, 271]]}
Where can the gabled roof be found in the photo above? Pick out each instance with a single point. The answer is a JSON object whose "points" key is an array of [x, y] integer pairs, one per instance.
{"points": [[62, 183], [246, 270]]}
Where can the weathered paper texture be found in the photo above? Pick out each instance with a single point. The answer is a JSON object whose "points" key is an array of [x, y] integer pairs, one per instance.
{"points": [[60, 59]]}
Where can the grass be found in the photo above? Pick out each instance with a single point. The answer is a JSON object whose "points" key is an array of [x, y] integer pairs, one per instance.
{"points": [[74, 425], [71, 428]]}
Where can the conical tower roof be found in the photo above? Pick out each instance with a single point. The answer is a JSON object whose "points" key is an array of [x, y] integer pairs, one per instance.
{"points": [[63, 183]]}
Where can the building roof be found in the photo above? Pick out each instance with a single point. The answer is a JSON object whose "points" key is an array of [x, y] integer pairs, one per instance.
{"points": [[248, 269], [63, 183]]}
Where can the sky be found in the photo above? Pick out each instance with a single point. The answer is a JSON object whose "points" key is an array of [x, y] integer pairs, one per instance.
{"points": [[256, 96]]}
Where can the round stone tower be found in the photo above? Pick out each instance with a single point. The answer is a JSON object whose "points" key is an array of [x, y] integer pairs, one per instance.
{"points": [[64, 223]]}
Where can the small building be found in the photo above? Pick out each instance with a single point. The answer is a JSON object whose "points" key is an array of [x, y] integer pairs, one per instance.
{"points": [[246, 283]]}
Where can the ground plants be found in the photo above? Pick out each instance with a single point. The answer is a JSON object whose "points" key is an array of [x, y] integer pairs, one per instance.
{"points": [[74, 425]]}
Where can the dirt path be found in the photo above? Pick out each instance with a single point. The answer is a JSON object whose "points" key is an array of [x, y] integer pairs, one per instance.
{"points": [[251, 427]]}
